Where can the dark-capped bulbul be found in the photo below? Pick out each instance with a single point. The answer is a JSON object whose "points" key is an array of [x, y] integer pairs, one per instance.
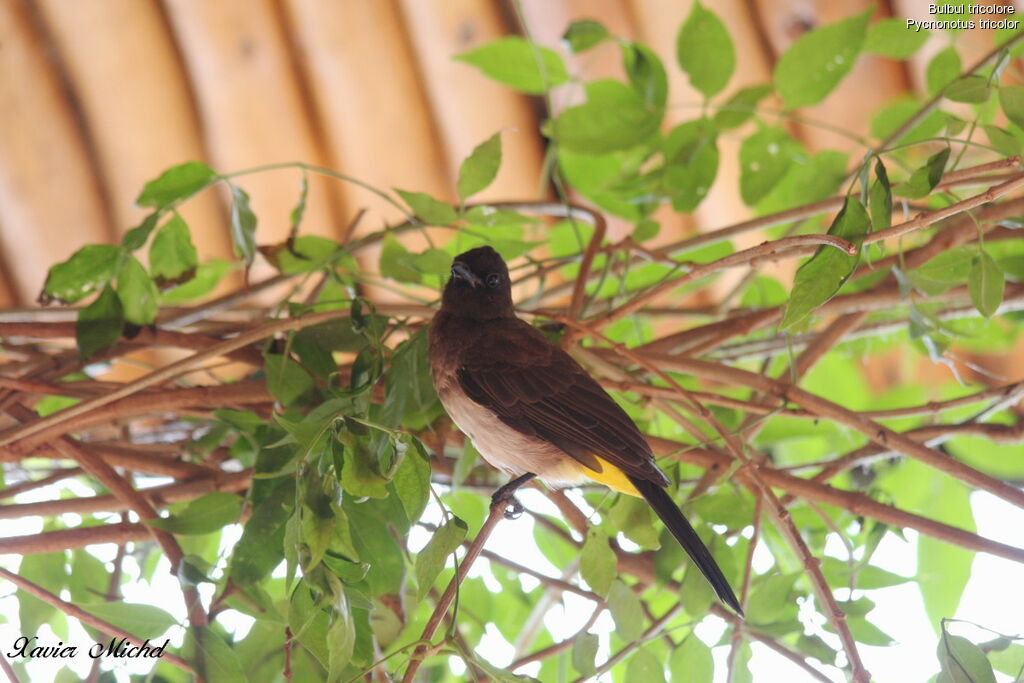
{"points": [[533, 411]]}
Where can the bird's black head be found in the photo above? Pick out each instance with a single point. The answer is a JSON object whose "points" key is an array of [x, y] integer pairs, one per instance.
{"points": [[479, 286]]}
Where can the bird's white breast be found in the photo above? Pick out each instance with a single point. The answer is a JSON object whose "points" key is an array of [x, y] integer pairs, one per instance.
{"points": [[504, 447]]}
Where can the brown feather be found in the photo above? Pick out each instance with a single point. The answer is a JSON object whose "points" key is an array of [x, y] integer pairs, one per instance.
{"points": [[534, 387]]}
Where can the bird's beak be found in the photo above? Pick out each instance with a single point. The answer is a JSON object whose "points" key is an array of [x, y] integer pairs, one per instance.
{"points": [[461, 271]]}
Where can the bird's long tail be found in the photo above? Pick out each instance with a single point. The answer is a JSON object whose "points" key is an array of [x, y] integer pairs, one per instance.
{"points": [[673, 518]]}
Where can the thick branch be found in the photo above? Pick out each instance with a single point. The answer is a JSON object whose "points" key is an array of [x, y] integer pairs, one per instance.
{"points": [[157, 496], [69, 539]]}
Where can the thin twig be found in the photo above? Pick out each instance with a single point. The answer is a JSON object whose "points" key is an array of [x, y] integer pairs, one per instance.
{"points": [[497, 513]]}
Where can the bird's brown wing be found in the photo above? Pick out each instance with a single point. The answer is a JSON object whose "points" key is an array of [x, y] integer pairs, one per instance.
{"points": [[538, 389]]}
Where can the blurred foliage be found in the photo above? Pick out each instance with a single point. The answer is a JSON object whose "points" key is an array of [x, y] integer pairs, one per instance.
{"points": [[342, 478]]}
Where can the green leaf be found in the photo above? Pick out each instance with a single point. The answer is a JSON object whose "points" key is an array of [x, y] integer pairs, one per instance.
{"points": [[49, 571], [645, 666], [880, 199], [963, 661], [705, 51], [137, 236], [410, 397], [203, 515], [891, 38], [143, 621], [433, 262], [866, 632], [923, 180], [172, 254], [396, 262], [309, 621], [738, 109], [99, 324], [765, 157], [840, 574], [243, 225], [489, 216], [519, 64], [88, 579], [646, 73], [584, 652], [945, 270], [598, 564], [808, 179], [973, 89], [599, 177], [645, 230], [889, 119], [1009, 660], [626, 610], [613, 118], [1007, 33], [88, 269], [821, 276], [770, 600], [740, 672], [943, 570], [635, 519], [348, 571], [429, 210], [341, 640], [176, 183], [260, 549], [691, 163], [815, 64], [695, 592], [816, 647], [214, 659], [985, 284], [1011, 99], [303, 254], [431, 560], [954, 125], [1003, 141], [691, 661], [479, 169], [942, 70], [299, 210], [207, 277], [764, 292], [138, 294], [584, 34], [724, 508], [286, 380], [412, 484]]}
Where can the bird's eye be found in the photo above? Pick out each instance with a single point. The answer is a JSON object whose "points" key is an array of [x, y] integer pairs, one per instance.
{"points": [[493, 280]]}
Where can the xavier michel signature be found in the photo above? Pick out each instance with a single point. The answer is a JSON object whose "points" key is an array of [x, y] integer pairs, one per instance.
{"points": [[118, 648]]}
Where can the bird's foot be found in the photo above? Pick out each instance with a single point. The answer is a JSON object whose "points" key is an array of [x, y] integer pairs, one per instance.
{"points": [[505, 497]]}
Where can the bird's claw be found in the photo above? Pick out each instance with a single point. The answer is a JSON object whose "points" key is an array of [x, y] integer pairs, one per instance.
{"points": [[505, 497], [513, 508]]}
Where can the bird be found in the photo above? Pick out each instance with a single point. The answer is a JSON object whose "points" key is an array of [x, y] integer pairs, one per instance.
{"points": [[532, 410]]}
